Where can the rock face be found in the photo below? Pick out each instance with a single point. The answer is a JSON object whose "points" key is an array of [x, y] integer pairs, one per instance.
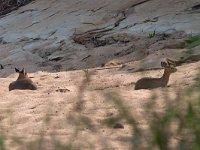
{"points": [[80, 32]]}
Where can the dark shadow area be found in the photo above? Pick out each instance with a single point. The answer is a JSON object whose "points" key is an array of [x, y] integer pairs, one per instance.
{"points": [[7, 6]]}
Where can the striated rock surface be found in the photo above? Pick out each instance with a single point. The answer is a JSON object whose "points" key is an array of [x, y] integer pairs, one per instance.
{"points": [[45, 27]]}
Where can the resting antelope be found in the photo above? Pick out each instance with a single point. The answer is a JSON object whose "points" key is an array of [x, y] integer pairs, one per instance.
{"points": [[150, 83], [23, 82]]}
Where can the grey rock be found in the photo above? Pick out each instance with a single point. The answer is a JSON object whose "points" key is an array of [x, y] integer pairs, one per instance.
{"points": [[23, 56], [50, 49]]}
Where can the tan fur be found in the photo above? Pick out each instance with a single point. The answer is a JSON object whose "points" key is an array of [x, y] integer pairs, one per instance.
{"points": [[23, 82], [150, 83]]}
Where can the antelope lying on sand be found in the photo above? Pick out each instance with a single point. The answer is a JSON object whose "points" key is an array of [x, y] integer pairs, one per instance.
{"points": [[23, 82], [150, 83]]}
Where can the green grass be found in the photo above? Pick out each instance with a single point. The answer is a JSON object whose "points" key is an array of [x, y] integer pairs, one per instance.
{"points": [[193, 41], [151, 35], [2, 141]]}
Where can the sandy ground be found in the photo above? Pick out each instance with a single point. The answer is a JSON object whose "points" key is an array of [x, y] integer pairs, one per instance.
{"points": [[23, 113]]}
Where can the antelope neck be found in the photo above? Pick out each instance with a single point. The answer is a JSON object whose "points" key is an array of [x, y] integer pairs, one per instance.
{"points": [[166, 74], [21, 77]]}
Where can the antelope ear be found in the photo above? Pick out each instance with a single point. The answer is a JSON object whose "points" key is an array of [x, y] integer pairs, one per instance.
{"points": [[23, 71], [163, 64], [171, 62], [17, 70]]}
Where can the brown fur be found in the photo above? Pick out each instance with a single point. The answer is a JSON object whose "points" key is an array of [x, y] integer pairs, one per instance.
{"points": [[150, 83], [23, 82]]}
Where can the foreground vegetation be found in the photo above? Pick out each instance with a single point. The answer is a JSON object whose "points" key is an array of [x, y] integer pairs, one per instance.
{"points": [[176, 127]]}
